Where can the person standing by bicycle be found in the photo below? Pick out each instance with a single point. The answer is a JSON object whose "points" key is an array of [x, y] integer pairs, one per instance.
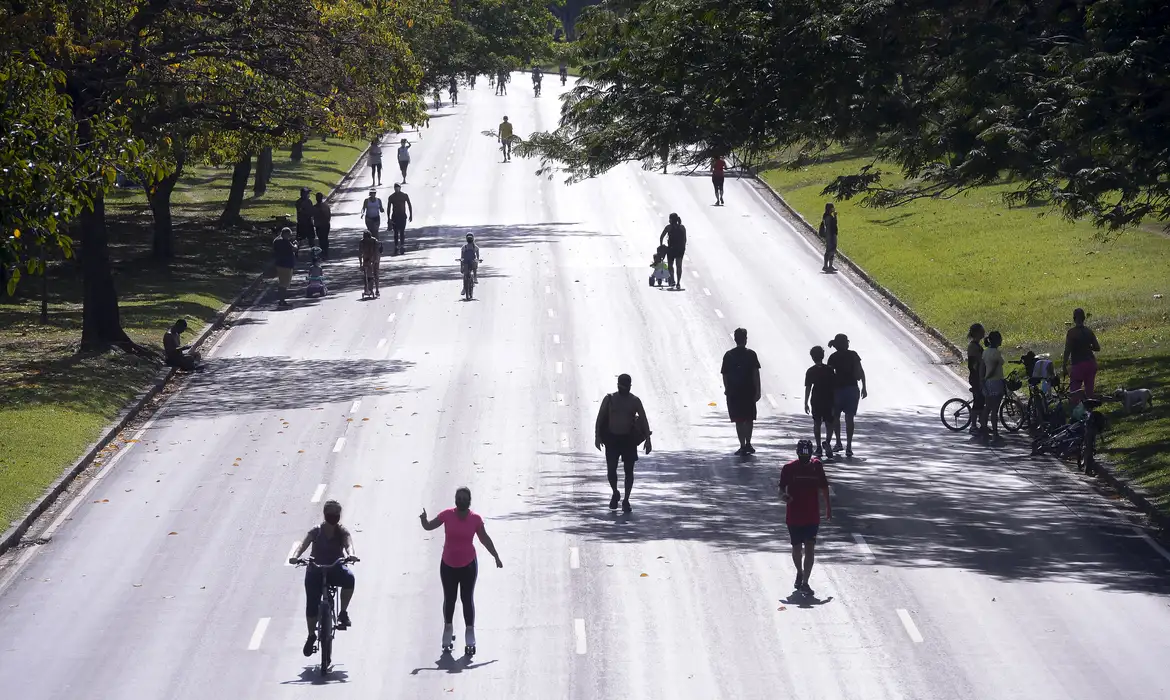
{"points": [[330, 541], [993, 382], [975, 375], [459, 568]]}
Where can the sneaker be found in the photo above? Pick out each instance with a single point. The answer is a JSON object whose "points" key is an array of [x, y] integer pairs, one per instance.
{"points": [[741, 451], [749, 449], [805, 588], [798, 582], [613, 502], [310, 645], [626, 506], [838, 447], [343, 619], [828, 449]]}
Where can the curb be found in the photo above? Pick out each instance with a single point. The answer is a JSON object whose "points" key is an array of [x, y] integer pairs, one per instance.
{"points": [[15, 532], [1104, 470]]}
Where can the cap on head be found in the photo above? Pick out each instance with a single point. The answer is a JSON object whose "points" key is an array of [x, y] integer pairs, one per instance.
{"points": [[373, 193], [397, 187], [470, 237], [625, 380], [286, 231]]}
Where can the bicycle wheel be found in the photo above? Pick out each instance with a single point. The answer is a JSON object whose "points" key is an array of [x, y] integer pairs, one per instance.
{"points": [[956, 414], [1011, 414], [325, 625]]}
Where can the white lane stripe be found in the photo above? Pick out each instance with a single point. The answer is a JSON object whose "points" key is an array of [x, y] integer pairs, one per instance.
{"points": [[574, 558], [390, 318], [772, 400], [706, 291], [337, 446], [318, 493], [1150, 541], [356, 405], [556, 339], [550, 313], [911, 628], [863, 546], [547, 289], [560, 368], [718, 313], [381, 343], [258, 633], [695, 272], [579, 627], [399, 297], [291, 552]]}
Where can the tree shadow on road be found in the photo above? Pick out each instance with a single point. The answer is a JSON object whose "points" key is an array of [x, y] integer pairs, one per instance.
{"points": [[923, 498]]}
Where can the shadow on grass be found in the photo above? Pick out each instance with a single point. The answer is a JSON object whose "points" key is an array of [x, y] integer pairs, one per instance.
{"points": [[923, 498]]}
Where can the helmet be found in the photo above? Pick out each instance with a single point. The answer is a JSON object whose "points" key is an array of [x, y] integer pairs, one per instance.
{"points": [[804, 447], [470, 237]]}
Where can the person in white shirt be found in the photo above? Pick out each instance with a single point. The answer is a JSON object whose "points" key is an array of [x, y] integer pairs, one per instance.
{"points": [[372, 208], [375, 160], [404, 158]]}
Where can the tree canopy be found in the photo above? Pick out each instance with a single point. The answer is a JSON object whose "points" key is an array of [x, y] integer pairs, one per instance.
{"points": [[1068, 99]]}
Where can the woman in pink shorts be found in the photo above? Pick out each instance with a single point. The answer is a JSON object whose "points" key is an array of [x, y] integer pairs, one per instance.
{"points": [[1079, 345], [459, 567]]}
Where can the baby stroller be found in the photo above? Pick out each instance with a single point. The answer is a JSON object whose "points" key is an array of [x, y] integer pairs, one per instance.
{"points": [[316, 286], [661, 272]]}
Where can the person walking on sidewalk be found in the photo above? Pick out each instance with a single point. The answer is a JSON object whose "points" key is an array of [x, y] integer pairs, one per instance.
{"points": [[741, 386], [304, 207], [801, 484], [375, 160], [828, 232], [322, 220], [621, 426], [404, 158], [459, 566], [284, 252], [1079, 345], [717, 166], [401, 211]]}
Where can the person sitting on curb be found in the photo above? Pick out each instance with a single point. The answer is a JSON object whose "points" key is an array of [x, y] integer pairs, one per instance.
{"points": [[177, 355]]}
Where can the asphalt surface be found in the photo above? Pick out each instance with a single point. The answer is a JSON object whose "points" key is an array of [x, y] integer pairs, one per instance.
{"points": [[951, 570]]}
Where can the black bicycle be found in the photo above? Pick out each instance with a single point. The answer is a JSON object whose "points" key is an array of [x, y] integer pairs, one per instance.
{"points": [[328, 611], [957, 414]]}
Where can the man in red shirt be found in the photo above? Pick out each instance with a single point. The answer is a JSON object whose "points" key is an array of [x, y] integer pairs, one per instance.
{"points": [[717, 179], [801, 484]]}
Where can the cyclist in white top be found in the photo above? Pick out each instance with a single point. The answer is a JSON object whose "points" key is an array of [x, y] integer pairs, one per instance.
{"points": [[373, 209], [404, 158]]}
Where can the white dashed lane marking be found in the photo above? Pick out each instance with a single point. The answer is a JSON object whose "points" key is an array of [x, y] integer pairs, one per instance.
{"points": [[356, 405], [318, 493], [864, 547], [579, 628], [258, 633], [574, 558], [718, 313], [772, 400], [911, 628], [339, 445]]}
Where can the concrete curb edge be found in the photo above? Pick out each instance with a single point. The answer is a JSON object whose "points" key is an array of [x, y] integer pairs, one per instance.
{"points": [[15, 532]]}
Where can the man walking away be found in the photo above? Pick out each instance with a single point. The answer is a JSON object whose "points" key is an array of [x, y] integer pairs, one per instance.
{"points": [[675, 236], [847, 371], [717, 166], [506, 138], [322, 217], [828, 232], [404, 158], [621, 426], [375, 163], [284, 250], [304, 207], [741, 386], [818, 384], [399, 205], [801, 484]]}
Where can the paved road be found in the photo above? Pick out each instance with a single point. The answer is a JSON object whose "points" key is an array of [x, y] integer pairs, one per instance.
{"points": [[951, 571]]}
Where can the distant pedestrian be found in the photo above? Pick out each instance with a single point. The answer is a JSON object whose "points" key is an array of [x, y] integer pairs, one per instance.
{"points": [[819, 386], [717, 166], [828, 232], [1079, 345], [304, 207], [322, 218], [375, 160], [993, 383], [401, 211], [506, 136], [404, 158], [621, 426], [675, 235], [284, 252], [741, 386], [975, 337], [847, 372], [801, 484]]}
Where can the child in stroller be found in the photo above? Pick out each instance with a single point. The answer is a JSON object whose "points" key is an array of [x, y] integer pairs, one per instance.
{"points": [[661, 272], [316, 285]]}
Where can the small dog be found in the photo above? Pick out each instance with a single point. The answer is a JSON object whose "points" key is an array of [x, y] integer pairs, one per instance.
{"points": [[1134, 398]]}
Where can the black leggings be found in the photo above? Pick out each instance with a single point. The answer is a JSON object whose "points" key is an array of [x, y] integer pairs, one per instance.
{"points": [[453, 579]]}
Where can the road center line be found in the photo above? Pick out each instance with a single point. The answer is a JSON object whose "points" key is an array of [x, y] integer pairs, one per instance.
{"points": [[863, 546], [560, 368], [772, 400], [381, 343], [579, 627], [911, 628], [318, 493], [551, 314], [574, 558], [718, 313], [547, 289], [556, 339], [399, 297], [258, 633], [356, 405], [706, 291], [337, 446], [390, 318], [695, 272]]}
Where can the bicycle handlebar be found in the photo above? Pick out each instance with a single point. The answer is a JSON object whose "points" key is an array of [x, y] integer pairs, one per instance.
{"points": [[309, 560]]}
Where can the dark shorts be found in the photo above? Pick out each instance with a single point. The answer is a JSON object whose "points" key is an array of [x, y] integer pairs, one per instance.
{"points": [[741, 408], [398, 222], [802, 533], [718, 181], [822, 411], [339, 576], [846, 398], [676, 253], [620, 447]]}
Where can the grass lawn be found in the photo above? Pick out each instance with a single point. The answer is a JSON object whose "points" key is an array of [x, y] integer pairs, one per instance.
{"points": [[54, 401], [1021, 271]]}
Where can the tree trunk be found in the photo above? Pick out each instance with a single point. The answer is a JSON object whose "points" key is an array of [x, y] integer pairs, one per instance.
{"points": [[231, 212], [298, 151], [263, 172], [101, 321], [159, 196]]}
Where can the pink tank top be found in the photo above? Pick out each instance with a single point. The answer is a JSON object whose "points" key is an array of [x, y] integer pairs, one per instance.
{"points": [[458, 549]]}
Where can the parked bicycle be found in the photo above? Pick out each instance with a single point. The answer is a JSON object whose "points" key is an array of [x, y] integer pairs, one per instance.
{"points": [[1076, 440], [327, 611]]}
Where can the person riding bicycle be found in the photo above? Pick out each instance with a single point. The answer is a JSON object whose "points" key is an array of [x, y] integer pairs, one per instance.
{"points": [[537, 77], [564, 72], [330, 541], [506, 138], [469, 257]]}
